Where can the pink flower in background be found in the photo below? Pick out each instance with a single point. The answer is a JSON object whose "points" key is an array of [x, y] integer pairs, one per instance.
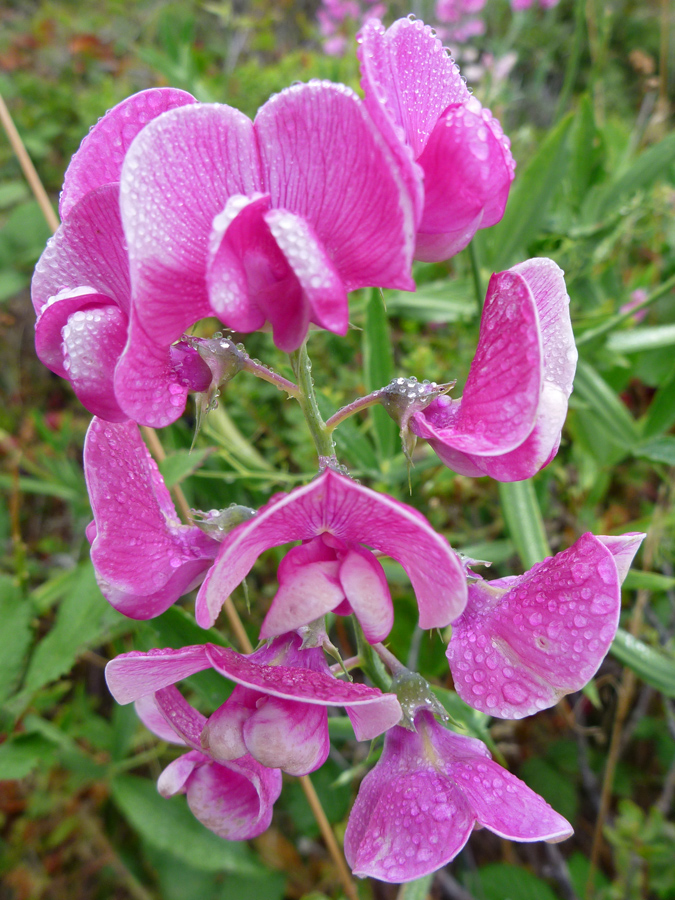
{"points": [[235, 798], [508, 422], [430, 788], [143, 557], [81, 290], [271, 221], [338, 19], [277, 711], [638, 296], [523, 642], [418, 100], [459, 19], [323, 574]]}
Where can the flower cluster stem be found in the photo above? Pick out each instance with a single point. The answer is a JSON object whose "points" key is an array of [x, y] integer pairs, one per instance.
{"points": [[302, 367], [265, 374], [354, 407]]}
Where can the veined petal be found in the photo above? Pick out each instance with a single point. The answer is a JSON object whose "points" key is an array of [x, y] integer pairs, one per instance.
{"points": [[334, 504], [366, 589], [623, 548], [517, 650], [133, 675], [143, 557], [322, 159], [87, 250], [286, 735], [185, 720], [310, 593], [99, 159], [150, 715]]}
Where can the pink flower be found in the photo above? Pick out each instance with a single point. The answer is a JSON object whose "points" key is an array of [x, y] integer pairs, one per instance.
{"points": [[524, 642], [277, 712], [508, 422], [416, 97], [271, 221], [81, 290], [430, 788], [144, 558], [460, 19], [345, 515], [235, 798]]}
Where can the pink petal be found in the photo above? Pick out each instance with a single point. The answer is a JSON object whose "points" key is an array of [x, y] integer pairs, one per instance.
{"points": [[149, 713], [99, 158], [365, 587], [234, 799], [293, 737], [174, 778], [176, 178], [183, 718], [309, 594], [88, 250], [322, 159], [623, 548], [435, 247], [54, 317], [133, 675], [499, 406], [143, 557], [334, 504], [517, 650], [222, 737]]}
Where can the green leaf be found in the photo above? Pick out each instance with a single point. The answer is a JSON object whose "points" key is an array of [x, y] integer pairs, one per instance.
{"points": [[378, 366], [182, 463], [169, 825], [524, 521], [11, 283], [661, 412], [15, 635], [651, 664], [437, 301], [609, 412], [659, 449], [649, 581], [502, 881], [583, 151], [530, 197], [21, 754], [640, 339], [554, 786], [417, 889]]}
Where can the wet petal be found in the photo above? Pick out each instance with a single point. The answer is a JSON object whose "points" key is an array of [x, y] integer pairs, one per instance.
{"points": [[293, 737], [518, 649], [133, 675], [143, 557], [185, 720], [99, 159], [623, 548], [335, 505], [366, 589], [311, 592], [222, 737], [151, 716]]}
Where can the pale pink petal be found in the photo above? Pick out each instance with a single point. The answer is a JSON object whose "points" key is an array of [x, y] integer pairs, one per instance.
{"points": [[53, 318], [222, 736], [143, 557], [99, 159], [519, 648], [88, 250], [369, 721], [293, 737], [500, 402], [133, 675], [623, 548], [366, 589], [176, 178], [174, 778], [150, 715], [434, 247], [186, 721], [323, 160], [334, 504], [234, 799], [310, 593]]}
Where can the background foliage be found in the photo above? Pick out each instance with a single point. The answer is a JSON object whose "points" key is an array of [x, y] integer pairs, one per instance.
{"points": [[583, 90]]}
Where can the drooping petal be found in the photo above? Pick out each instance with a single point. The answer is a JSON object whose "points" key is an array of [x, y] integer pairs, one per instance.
{"points": [[176, 178], [334, 504], [301, 684], [87, 250], [133, 675], [322, 159], [234, 799], [286, 735], [99, 159], [499, 406], [366, 589], [185, 720], [173, 779], [143, 557], [150, 715], [518, 649], [409, 818]]}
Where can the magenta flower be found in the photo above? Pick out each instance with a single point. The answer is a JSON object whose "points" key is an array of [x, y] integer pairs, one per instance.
{"points": [[235, 798], [508, 422], [524, 642], [414, 92], [345, 515], [81, 290], [430, 788], [277, 712], [271, 221], [144, 558]]}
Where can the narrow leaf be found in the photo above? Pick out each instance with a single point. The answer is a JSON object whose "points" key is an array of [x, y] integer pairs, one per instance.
{"points": [[661, 412], [182, 463], [640, 339], [609, 412], [648, 581], [651, 164], [652, 665], [438, 301], [15, 635], [524, 521], [659, 449]]}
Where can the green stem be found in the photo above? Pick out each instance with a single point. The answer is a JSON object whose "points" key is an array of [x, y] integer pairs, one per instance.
{"points": [[302, 367], [354, 407], [371, 663]]}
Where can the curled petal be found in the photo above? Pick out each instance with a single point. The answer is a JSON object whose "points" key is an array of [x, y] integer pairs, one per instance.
{"points": [[519, 648], [151, 716], [183, 718], [174, 778], [99, 158], [335, 505], [623, 548], [143, 557]]}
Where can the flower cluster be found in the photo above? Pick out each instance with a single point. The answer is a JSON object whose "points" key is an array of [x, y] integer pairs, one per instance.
{"points": [[173, 211]]}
